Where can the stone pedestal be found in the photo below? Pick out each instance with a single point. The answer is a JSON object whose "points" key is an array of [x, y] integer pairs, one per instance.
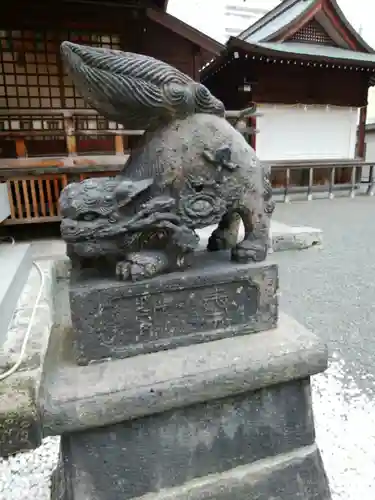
{"points": [[229, 418]]}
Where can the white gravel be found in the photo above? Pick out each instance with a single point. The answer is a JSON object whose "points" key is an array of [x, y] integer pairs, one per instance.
{"points": [[345, 432], [345, 427], [27, 476]]}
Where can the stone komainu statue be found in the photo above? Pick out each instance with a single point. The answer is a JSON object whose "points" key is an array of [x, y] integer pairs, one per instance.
{"points": [[192, 170]]}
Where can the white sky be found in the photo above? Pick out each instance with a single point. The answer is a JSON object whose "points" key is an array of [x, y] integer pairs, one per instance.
{"points": [[361, 13], [208, 17]]}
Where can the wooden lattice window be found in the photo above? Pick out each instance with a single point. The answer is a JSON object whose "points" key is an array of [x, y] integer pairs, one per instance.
{"points": [[95, 142], [29, 76], [72, 99], [43, 134], [313, 32], [40, 122], [94, 123]]}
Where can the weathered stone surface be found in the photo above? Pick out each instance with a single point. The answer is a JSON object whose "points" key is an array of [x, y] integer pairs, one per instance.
{"points": [[83, 397], [298, 475], [172, 448], [10, 348], [20, 428], [214, 299]]}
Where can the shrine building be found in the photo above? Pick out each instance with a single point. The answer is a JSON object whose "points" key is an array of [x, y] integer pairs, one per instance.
{"points": [[48, 135], [309, 72]]}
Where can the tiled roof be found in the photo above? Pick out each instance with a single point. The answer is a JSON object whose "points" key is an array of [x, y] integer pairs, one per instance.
{"points": [[275, 20], [320, 51]]}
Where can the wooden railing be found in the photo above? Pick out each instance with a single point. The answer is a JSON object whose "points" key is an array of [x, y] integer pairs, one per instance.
{"points": [[35, 176], [328, 177], [34, 192], [35, 199], [65, 133], [34, 183], [69, 133]]}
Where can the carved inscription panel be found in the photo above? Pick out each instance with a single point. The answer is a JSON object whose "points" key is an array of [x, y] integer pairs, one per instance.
{"points": [[159, 316]]}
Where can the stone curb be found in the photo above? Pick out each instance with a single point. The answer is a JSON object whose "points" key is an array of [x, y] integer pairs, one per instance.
{"points": [[19, 417], [11, 347], [15, 263]]}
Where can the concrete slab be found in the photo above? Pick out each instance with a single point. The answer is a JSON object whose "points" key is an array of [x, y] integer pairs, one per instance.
{"points": [[286, 237], [53, 248], [15, 265], [283, 237]]}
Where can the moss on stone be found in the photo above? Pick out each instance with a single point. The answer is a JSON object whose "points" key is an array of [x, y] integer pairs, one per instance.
{"points": [[19, 421]]}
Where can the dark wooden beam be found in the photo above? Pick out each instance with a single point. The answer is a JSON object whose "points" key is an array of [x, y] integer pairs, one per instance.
{"points": [[235, 43], [337, 23]]}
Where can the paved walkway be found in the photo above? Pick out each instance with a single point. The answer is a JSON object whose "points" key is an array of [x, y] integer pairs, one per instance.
{"points": [[331, 290]]}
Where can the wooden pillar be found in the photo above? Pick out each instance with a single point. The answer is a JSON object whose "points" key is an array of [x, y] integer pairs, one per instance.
{"points": [[71, 143], [196, 63], [253, 124], [21, 150], [361, 139], [119, 145]]}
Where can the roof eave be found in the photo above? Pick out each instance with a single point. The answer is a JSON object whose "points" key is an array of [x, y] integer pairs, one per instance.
{"points": [[253, 49], [284, 29], [278, 10]]}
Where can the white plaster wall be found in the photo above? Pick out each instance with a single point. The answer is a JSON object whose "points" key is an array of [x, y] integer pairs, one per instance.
{"points": [[306, 132], [371, 105], [370, 145]]}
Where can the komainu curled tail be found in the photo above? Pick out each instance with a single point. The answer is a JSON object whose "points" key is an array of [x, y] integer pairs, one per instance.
{"points": [[135, 90]]}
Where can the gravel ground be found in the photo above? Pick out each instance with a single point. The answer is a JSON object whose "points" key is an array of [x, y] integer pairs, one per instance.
{"points": [[332, 291]]}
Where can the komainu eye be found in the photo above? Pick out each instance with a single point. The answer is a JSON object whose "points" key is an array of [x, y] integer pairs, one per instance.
{"points": [[112, 218], [89, 216]]}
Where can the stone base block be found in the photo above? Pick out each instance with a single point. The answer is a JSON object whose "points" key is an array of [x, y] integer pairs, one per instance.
{"points": [[231, 418], [214, 299], [258, 444], [298, 475]]}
